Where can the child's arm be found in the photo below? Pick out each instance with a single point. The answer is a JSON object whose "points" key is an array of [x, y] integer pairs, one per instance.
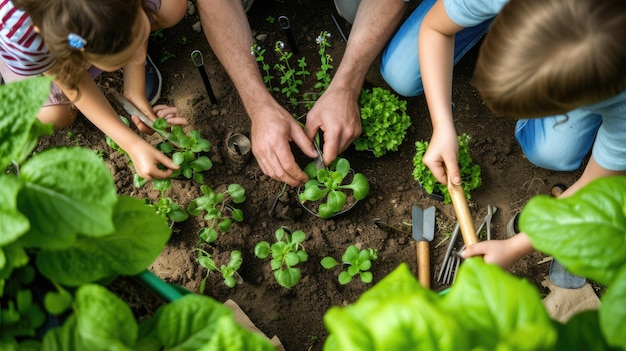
{"points": [[506, 252], [436, 57], [98, 110]]}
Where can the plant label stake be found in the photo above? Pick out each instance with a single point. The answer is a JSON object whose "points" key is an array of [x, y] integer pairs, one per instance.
{"points": [[196, 57], [284, 24], [423, 232]]}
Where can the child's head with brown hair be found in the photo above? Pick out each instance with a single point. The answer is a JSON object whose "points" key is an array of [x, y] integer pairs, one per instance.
{"points": [[102, 28], [543, 58]]}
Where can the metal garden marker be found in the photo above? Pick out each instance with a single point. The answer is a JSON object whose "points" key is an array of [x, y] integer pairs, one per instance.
{"points": [[196, 57], [284, 24]]}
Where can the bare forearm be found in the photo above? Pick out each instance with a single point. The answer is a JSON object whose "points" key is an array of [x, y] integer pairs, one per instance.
{"points": [[592, 171], [227, 30], [375, 22]]}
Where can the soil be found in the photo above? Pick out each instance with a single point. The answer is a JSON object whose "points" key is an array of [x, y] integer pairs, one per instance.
{"points": [[296, 315]]}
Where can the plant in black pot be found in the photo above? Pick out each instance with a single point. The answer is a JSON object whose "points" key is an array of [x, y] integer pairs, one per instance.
{"points": [[326, 192]]}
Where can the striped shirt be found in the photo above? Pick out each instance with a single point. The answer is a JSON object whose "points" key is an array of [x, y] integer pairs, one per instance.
{"points": [[21, 47]]}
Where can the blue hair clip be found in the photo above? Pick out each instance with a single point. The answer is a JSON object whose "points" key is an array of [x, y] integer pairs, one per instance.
{"points": [[76, 41]]}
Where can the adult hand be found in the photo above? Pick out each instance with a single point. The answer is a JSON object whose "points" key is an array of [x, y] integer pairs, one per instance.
{"points": [[337, 113], [442, 156], [272, 130], [147, 160]]}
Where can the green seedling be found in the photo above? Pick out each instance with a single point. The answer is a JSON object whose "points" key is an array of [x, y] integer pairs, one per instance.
{"points": [[326, 184], [219, 213], [287, 252], [228, 271], [470, 173], [166, 207], [358, 262], [384, 121]]}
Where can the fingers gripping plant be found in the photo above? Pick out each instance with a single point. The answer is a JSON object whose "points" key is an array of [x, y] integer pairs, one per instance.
{"points": [[328, 184], [470, 173], [219, 214], [358, 262], [287, 252]]}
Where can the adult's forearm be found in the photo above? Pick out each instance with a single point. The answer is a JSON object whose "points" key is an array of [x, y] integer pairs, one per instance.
{"points": [[226, 28], [375, 22]]}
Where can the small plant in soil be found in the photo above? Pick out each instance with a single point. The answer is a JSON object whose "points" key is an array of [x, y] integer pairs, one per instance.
{"points": [[287, 252], [327, 185], [185, 154], [470, 173], [228, 271], [358, 262], [166, 207], [384, 121], [220, 212]]}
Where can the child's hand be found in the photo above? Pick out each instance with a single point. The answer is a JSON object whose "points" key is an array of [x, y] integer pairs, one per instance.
{"points": [[170, 114], [504, 253], [146, 160]]}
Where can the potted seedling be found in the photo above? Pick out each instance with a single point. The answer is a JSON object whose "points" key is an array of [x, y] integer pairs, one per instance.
{"points": [[287, 252], [63, 233], [470, 172], [358, 262], [327, 188], [384, 121], [219, 208], [228, 271]]}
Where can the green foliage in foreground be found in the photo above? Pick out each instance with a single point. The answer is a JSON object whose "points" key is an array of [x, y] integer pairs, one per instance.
{"points": [[489, 309], [63, 230]]}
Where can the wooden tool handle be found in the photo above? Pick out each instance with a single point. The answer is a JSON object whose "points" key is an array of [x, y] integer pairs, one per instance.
{"points": [[462, 214], [423, 263]]}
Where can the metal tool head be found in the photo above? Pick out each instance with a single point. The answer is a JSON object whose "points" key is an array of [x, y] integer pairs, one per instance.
{"points": [[423, 223], [319, 162]]}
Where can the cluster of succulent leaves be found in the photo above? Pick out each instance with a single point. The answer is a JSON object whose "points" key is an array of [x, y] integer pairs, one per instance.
{"points": [[470, 172], [358, 262], [488, 308], [228, 271], [384, 121], [326, 185], [218, 209], [287, 252], [64, 229]]}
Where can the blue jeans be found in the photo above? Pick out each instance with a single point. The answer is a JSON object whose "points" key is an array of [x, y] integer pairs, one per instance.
{"points": [[400, 64], [558, 143]]}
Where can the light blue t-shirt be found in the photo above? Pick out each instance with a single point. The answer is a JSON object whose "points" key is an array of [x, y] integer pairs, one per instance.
{"points": [[468, 13], [609, 148]]}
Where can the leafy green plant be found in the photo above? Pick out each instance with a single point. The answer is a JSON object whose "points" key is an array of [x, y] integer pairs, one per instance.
{"points": [[487, 308], [323, 75], [470, 173], [358, 262], [287, 252], [219, 212], [326, 185], [290, 79], [63, 229], [384, 121], [165, 206], [228, 271]]}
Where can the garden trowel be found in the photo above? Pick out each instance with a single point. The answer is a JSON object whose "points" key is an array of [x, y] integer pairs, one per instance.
{"points": [[423, 232]]}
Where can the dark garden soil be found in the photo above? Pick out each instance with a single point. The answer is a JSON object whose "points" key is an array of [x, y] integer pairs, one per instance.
{"points": [[296, 315]]}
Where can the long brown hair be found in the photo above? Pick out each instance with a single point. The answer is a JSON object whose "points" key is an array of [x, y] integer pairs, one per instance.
{"points": [[542, 58], [106, 27]]}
